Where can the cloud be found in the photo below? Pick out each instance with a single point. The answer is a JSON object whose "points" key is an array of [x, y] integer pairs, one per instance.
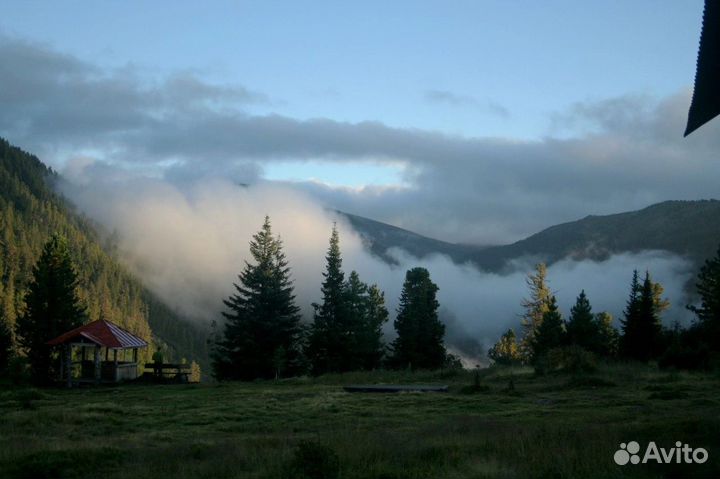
{"points": [[605, 156], [189, 242], [452, 99]]}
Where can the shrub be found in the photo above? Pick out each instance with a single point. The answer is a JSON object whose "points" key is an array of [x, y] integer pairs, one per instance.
{"points": [[681, 355], [570, 359]]}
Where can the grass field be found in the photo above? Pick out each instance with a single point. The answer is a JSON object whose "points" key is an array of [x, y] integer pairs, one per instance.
{"points": [[553, 426]]}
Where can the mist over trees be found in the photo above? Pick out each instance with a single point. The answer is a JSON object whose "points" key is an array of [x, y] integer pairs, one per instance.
{"points": [[577, 343], [31, 212]]}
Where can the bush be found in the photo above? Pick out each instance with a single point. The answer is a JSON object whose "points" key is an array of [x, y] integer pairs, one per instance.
{"points": [[18, 371], [313, 460], [569, 359], [453, 362], [681, 356]]}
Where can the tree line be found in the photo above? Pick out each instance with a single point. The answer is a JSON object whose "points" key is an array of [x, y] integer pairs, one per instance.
{"points": [[549, 342], [263, 336]]}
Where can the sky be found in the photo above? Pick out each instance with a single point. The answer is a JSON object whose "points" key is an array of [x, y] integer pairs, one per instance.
{"points": [[477, 122]]}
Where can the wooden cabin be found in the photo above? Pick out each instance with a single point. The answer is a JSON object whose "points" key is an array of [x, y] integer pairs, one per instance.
{"points": [[103, 348]]}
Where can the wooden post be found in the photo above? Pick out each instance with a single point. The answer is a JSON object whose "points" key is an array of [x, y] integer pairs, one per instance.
{"points": [[62, 362], [115, 361], [97, 364], [135, 374], [68, 364]]}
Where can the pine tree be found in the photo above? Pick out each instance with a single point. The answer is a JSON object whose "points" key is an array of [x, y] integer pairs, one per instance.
{"points": [[630, 324], [550, 333], [506, 351], [535, 308], [641, 327], [372, 347], [356, 307], [708, 312], [263, 320], [419, 343], [607, 334], [367, 314], [331, 332], [582, 329], [52, 307]]}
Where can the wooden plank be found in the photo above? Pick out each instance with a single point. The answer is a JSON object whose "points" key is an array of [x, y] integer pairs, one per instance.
{"points": [[395, 388], [166, 366]]}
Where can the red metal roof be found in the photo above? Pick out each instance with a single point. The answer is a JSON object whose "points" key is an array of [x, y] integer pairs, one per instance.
{"points": [[103, 333]]}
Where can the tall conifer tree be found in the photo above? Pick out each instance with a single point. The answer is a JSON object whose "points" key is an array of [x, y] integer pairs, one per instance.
{"points": [[372, 348], [550, 333], [641, 326], [52, 307], [419, 343], [535, 308], [262, 322], [708, 312], [608, 335], [330, 339], [582, 329]]}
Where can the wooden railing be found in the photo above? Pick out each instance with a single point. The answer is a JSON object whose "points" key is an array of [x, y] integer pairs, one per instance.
{"points": [[180, 372]]}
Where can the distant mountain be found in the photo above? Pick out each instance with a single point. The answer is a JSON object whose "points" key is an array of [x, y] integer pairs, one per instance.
{"points": [[380, 237], [687, 228]]}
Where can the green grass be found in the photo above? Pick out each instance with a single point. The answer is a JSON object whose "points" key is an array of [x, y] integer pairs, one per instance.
{"points": [[553, 426]]}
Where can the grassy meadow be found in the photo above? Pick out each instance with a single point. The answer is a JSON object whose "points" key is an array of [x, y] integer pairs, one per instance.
{"points": [[514, 424]]}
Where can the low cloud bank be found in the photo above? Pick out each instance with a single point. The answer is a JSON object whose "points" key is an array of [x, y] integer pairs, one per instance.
{"points": [[188, 243]]}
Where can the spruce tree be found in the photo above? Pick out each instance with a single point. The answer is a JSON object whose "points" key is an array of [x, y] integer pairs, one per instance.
{"points": [[356, 307], [52, 307], [582, 329], [608, 337], [535, 308], [641, 327], [631, 334], [419, 343], [708, 312], [331, 337], [550, 333], [262, 322], [372, 347], [506, 351]]}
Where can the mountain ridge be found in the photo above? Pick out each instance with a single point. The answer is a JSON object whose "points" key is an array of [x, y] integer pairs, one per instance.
{"points": [[689, 228]]}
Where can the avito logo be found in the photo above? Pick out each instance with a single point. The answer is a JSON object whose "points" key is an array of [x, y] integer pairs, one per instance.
{"points": [[680, 454]]}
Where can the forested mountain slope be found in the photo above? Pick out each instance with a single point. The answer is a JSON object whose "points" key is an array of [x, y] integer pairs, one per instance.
{"points": [[30, 211]]}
